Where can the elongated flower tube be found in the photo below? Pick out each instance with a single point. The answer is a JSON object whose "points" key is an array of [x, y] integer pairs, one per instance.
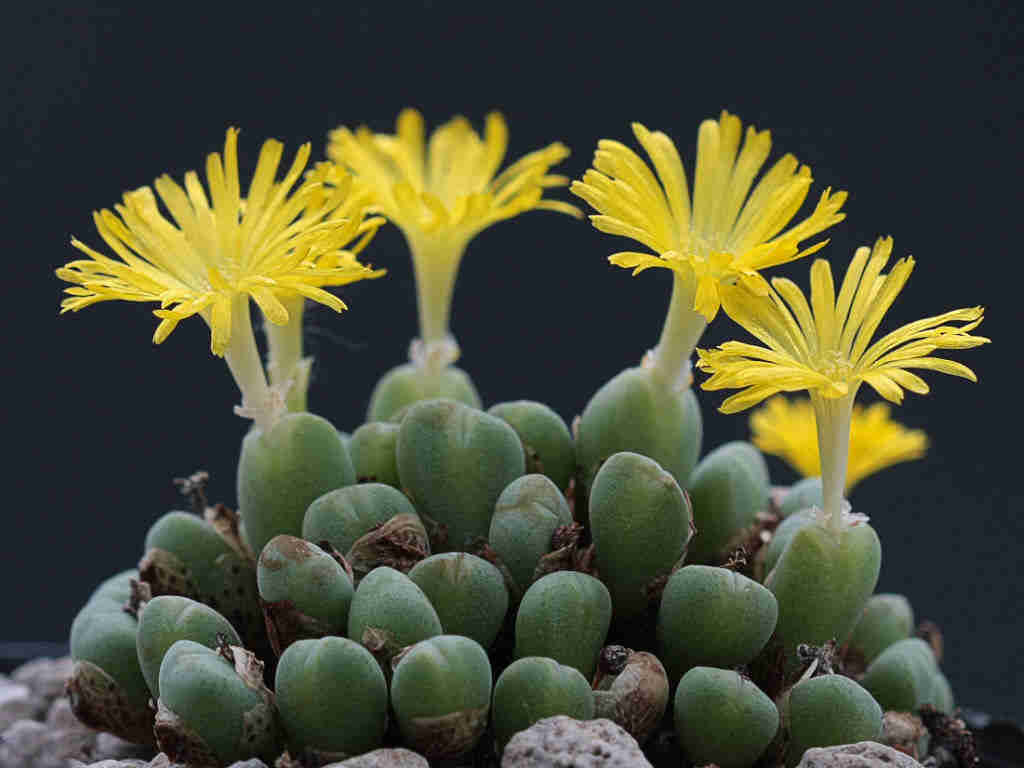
{"points": [[717, 244], [786, 428], [825, 347], [287, 368], [441, 192], [272, 246]]}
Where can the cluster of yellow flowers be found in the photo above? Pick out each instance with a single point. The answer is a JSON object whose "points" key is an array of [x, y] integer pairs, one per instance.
{"points": [[286, 241]]}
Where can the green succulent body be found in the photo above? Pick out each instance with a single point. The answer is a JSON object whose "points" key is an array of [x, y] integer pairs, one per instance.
{"points": [[169, 618], [282, 471], [332, 696], [305, 591], [220, 714], [805, 494], [564, 616], [344, 515], [106, 637], [712, 617], [455, 461], [526, 515], [467, 592], [723, 718], [727, 488], [822, 583], [905, 677], [186, 556], [533, 688], [769, 554], [640, 522], [826, 711], [886, 620], [441, 695], [636, 412], [372, 449], [547, 442], [390, 601], [407, 384]]}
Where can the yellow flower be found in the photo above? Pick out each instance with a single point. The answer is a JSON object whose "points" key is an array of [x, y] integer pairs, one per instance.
{"points": [[786, 428], [442, 191], [825, 347], [729, 233], [273, 245]]}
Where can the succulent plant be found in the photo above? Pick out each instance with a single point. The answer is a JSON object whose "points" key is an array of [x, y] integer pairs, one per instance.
{"points": [[564, 616], [712, 617], [371, 524], [283, 470], [802, 495], [525, 517], [532, 688], [168, 618], [828, 710], [822, 583], [408, 384], [547, 443], [332, 698], [544, 540], [723, 718], [641, 521], [214, 708], [727, 489], [107, 688], [455, 461], [389, 612], [305, 592], [441, 695], [635, 412], [886, 619], [185, 555], [372, 448], [467, 592], [905, 677]]}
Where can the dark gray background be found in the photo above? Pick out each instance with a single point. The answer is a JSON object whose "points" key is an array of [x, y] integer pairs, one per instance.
{"points": [[916, 110]]}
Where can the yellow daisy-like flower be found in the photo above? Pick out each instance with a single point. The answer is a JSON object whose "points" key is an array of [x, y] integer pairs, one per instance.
{"points": [[274, 245], [825, 347], [719, 242], [441, 192], [786, 428]]}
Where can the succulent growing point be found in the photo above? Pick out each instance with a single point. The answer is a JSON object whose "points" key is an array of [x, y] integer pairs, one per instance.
{"points": [[441, 192], [270, 246]]}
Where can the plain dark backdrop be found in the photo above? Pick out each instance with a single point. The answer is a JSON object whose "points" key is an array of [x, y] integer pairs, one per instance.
{"points": [[915, 109]]}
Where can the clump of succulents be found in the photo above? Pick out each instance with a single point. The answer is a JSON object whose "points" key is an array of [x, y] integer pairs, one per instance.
{"points": [[446, 576]]}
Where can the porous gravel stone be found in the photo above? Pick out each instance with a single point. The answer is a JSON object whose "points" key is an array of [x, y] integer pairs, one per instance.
{"points": [[32, 744], [563, 742], [45, 677], [18, 702], [863, 754], [384, 758]]}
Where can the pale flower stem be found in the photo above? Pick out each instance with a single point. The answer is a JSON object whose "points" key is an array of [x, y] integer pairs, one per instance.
{"points": [[436, 265], [284, 342], [243, 359], [832, 416], [680, 334]]}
